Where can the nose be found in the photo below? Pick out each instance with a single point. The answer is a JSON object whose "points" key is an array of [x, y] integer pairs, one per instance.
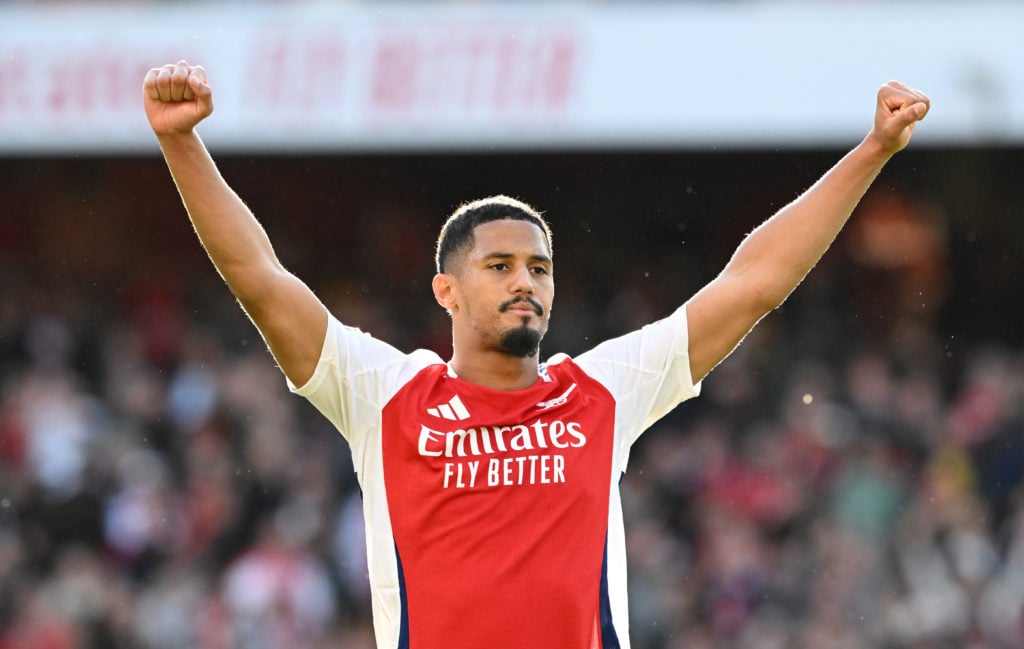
{"points": [[522, 281]]}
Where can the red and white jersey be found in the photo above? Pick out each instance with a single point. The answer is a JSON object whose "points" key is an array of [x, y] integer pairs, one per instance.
{"points": [[493, 518]]}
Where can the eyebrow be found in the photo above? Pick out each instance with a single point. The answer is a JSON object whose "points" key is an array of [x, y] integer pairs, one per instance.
{"points": [[508, 255]]}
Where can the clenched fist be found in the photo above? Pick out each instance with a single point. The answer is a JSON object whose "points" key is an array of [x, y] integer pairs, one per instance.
{"points": [[898, 110], [177, 97]]}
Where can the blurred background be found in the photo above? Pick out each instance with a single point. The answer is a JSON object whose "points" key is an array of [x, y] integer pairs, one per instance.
{"points": [[850, 478]]}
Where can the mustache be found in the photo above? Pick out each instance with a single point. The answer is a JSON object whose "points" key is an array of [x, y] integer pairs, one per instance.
{"points": [[505, 306]]}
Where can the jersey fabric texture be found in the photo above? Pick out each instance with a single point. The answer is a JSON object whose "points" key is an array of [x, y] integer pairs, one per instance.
{"points": [[493, 518]]}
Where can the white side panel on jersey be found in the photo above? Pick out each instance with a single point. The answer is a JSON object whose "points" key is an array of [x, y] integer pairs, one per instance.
{"points": [[617, 577], [355, 377], [648, 373]]}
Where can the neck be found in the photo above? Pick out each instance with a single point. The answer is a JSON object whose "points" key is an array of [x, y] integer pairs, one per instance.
{"points": [[496, 370]]}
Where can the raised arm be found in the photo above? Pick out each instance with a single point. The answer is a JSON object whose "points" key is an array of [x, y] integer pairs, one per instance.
{"points": [[774, 258], [289, 316]]}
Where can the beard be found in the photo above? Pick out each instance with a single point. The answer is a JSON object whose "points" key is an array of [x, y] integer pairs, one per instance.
{"points": [[521, 342]]}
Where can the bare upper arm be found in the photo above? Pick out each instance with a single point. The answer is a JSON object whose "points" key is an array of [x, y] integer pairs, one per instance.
{"points": [[293, 322], [718, 317]]}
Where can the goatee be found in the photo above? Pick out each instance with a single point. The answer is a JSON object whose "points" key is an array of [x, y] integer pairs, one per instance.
{"points": [[521, 342]]}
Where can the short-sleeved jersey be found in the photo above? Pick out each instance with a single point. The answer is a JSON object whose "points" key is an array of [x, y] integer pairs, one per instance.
{"points": [[493, 517]]}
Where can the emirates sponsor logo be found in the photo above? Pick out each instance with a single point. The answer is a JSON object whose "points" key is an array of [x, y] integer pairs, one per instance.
{"points": [[505, 472], [537, 460], [489, 440]]}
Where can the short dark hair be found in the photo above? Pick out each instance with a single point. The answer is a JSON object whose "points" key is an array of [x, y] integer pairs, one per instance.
{"points": [[457, 233]]}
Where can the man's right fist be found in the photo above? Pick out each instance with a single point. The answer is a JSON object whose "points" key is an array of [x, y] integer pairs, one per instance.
{"points": [[176, 97]]}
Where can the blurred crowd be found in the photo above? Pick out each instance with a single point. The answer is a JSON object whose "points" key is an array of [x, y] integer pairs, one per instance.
{"points": [[850, 478]]}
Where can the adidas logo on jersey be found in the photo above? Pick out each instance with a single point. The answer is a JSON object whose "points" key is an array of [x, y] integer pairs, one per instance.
{"points": [[453, 410]]}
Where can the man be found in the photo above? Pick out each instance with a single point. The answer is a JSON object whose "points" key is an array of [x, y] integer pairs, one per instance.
{"points": [[490, 481]]}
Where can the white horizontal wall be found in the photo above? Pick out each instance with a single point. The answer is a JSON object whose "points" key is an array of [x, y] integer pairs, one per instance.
{"points": [[315, 77]]}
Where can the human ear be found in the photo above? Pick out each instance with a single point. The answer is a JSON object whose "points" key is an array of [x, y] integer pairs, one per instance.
{"points": [[444, 292]]}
